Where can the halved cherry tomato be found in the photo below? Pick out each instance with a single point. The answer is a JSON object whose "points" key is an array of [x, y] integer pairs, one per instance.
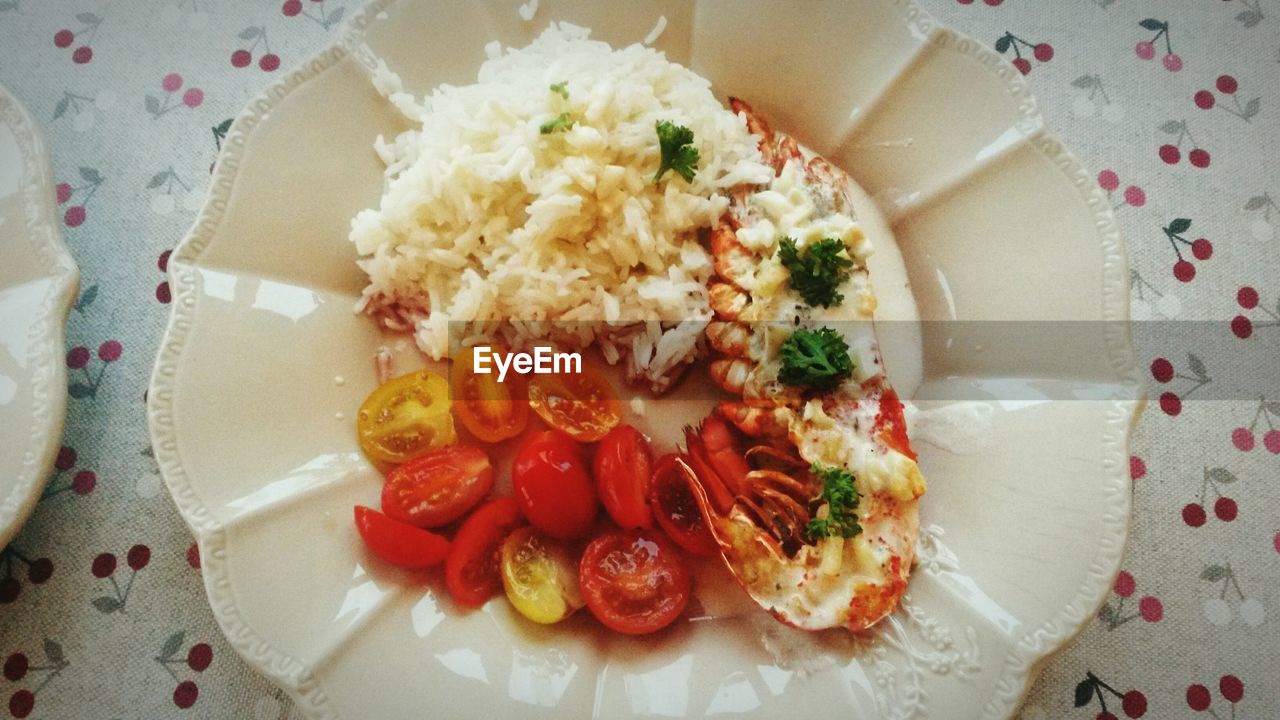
{"points": [[622, 467], [634, 582], [552, 486], [405, 416], [675, 508], [581, 404], [540, 576], [471, 569], [438, 486], [397, 543], [490, 410]]}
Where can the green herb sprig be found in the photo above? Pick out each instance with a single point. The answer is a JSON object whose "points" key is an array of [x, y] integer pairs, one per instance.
{"points": [[817, 359], [818, 271], [841, 497], [678, 152]]}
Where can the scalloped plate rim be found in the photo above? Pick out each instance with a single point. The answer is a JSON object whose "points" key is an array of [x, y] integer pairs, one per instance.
{"points": [[1026, 656], [49, 379]]}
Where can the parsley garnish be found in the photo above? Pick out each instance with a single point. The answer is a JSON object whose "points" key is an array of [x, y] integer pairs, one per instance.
{"points": [[560, 89], [841, 497], [559, 122], [678, 152], [818, 271], [815, 358]]}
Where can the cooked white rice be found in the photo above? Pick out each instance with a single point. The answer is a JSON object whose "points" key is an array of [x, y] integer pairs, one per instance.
{"points": [[493, 227]]}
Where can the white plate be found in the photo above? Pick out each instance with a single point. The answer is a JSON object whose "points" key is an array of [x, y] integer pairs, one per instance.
{"points": [[995, 220], [38, 281]]}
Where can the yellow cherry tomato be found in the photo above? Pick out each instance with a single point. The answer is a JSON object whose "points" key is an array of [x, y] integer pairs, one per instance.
{"points": [[581, 404], [540, 576], [492, 411], [405, 417]]}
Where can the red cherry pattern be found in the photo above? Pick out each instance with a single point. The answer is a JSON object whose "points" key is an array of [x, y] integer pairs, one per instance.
{"points": [[1113, 613], [83, 481], [79, 358], [1171, 153], [1225, 508], [1201, 249], [1137, 468], [18, 667], [1242, 327], [185, 695], [1199, 698], [75, 215], [38, 571], [104, 567], [1164, 373], [180, 667], [1042, 52], [64, 38], [242, 57], [1133, 703], [1227, 86]]}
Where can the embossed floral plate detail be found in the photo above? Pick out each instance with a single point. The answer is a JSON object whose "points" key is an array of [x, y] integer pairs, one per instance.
{"points": [[264, 363], [38, 282]]}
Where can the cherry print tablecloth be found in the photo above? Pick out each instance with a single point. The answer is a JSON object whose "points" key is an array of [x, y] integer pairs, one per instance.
{"points": [[1172, 102]]}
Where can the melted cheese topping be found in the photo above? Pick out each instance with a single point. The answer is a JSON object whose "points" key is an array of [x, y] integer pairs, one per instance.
{"points": [[837, 428]]}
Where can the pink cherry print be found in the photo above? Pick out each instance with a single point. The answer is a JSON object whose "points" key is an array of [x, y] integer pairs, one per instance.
{"points": [[1145, 50], [110, 350], [193, 97], [1172, 62], [1137, 468], [1124, 584], [1108, 180], [78, 357], [1151, 608], [171, 82], [1135, 196], [1247, 297], [1242, 439]]}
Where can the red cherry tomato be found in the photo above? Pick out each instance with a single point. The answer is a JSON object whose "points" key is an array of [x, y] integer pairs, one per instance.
{"points": [[622, 467], [471, 569], [634, 582], [397, 543], [438, 486], [552, 486], [676, 509], [492, 411]]}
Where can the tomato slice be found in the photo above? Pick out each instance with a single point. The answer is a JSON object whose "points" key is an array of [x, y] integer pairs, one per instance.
{"points": [[405, 416], [438, 486], [581, 404], [397, 543], [622, 467], [676, 509], [492, 411], [552, 486], [471, 569], [634, 582], [540, 576]]}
